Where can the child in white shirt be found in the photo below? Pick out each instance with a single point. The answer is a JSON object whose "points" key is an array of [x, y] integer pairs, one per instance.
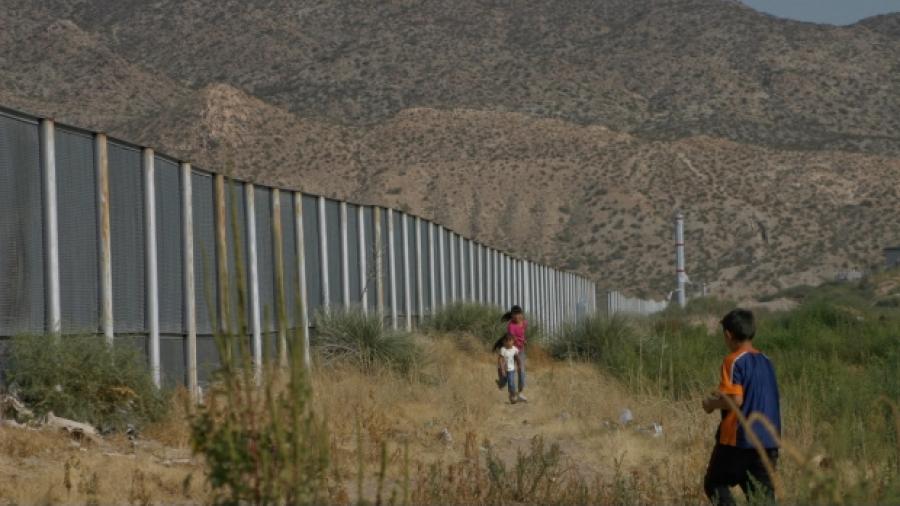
{"points": [[507, 364]]}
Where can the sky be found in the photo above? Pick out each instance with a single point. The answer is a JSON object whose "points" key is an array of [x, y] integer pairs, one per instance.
{"points": [[835, 12]]}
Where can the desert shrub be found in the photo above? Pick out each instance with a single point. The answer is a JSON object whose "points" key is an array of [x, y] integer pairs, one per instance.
{"points": [[258, 435], [362, 339], [85, 379], [478, 320]]}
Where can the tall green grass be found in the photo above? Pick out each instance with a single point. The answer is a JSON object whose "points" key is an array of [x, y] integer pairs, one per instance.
{"points": [[479, 320], [837, 361]]}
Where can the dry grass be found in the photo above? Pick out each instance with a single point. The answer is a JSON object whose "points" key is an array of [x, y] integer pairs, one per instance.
{"points": [[570, 404]]}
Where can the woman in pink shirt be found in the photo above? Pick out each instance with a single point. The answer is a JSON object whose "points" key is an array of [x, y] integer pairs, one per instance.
{"points": [[516, 326]]}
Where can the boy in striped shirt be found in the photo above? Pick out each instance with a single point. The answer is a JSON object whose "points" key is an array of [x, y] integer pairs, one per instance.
{"points": [[747, 382]]}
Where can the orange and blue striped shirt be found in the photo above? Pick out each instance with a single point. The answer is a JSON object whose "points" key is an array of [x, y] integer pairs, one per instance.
{"points": [[750, 374]]}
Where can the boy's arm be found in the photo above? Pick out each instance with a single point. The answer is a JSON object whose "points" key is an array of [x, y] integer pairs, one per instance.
{"points": [[500, 362], [718, 400], [730, 392]]}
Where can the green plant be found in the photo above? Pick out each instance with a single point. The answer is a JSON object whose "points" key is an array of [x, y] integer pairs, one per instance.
{"points": [[361, 338], [85, 379], [478, 320], [260, 439]]}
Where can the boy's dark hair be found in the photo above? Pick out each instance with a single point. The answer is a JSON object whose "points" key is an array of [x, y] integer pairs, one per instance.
{"points": [[741, 324], [512, 311]]}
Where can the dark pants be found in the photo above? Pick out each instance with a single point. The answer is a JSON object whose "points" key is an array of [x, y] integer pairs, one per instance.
{"points": [[730, 466]]}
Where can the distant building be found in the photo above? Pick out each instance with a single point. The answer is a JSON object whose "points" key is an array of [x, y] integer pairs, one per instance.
{"points": [[892, 257]]}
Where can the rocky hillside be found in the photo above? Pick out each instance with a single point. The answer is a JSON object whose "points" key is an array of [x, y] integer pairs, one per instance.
{"points": [[569, 132]]}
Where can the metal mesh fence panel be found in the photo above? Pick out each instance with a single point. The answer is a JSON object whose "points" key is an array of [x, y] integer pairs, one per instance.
{"points": [[238, 294], [169, 247], [205, 280], [311, 255], [291, 283], [21, 228], [172, 361], [207, 358], [126, 206], [353, 254], [369, 284], [413, 274], [76, 186], [426, 266], [333, 235], [265, 257]]}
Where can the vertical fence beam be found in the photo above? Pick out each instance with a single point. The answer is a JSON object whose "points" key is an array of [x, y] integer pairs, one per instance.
{"points": [[407, 293], [443, 264], [363, 275], [101, 168], [431, 268], [301, 272], [253, 264], [452, 249], [51, 227], [281, 311], [420, 283], [473, 293], [526, 283], [222, 257], [379, 261], [489, 280], [187, 269], [345, 256], [150, 261], [392, 261], [480, 252], [323, 255], [463, 292], [504, 281]]}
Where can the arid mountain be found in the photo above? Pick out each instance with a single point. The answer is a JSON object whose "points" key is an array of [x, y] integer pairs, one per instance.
{"points": [[567, 131]]}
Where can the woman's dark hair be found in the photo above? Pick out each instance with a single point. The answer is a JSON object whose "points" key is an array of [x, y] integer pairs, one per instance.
{"points": [[512, 311], [503, 338]]}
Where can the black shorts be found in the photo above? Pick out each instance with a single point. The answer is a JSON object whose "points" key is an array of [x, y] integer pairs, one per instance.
{"points": [[730, 466]]}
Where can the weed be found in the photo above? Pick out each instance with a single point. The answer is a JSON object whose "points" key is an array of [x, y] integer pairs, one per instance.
{"points": [[361, 338], [83, 378]]}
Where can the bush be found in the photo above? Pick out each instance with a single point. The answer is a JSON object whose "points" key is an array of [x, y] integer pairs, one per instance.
{"points": [[478, 320], [362, 339], [85, 379], [259, 438]]}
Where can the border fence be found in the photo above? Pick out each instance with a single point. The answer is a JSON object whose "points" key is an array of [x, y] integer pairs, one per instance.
{"points": [[618, 303], [101, 236]]}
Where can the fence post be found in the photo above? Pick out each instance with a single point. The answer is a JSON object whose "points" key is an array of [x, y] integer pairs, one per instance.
{"points": [[323, 255], [222, 257], [392, 262], [345, 256], [51, 227], [150, 260], [489, 280], [187, 267], [452, 248], [431, 269], [473, 293], [420, 297], [363, 275], [443, 264], [379, 261], [407, 295], [280, 301], [256, 327], [301, 271], [101, 167]]}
